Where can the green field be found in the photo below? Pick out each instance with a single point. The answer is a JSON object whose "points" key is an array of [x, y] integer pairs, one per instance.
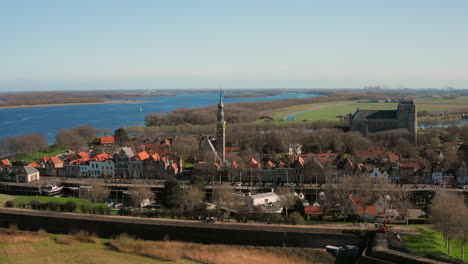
{"points": [[331, 113], [44, 199], [31, 157], [430, 243], [49, 251]]}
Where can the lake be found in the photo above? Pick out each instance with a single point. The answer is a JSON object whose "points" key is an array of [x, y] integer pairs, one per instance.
{"points": [[49, 120]]}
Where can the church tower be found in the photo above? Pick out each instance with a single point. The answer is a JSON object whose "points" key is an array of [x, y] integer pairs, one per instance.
{"points": [[408, 117], [221, 130]]}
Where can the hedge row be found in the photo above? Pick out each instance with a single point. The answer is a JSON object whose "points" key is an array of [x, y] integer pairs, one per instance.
{"points": [[68, 206]]}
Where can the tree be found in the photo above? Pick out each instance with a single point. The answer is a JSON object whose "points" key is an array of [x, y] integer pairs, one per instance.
{"points": [[460, 219], [287, 198], [405, 148], [140, 193], [186, 147], [121, 135], [171, 195], [225, 199], [193, 197], [69, 138], [443, 208], [97, 193], [86, 132]]}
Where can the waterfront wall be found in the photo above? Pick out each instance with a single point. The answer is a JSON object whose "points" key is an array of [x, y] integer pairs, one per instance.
{"points": [[191, 231]]}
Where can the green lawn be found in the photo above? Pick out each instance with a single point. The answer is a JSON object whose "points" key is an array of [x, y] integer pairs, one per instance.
{"points": [[331, 113], [49, 251], [59, 200], [31, 157], [430, 243]]}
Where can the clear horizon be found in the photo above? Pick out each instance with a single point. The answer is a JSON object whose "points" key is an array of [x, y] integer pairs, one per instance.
{"points": [[98, 45]]}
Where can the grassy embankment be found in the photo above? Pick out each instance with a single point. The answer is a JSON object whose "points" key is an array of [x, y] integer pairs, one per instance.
{"points": [[330, 112], [44, 199], [41, 247], [31, 157], [430, 243]]}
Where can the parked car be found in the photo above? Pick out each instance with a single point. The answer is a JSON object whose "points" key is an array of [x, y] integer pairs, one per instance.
{"points": [[272, 185], [238, 184], [292, 184]]}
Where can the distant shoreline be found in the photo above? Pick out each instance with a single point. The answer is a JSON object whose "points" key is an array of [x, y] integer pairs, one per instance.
{"points": [[92, 103]]}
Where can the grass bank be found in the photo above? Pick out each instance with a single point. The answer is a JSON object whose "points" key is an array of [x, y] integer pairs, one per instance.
{"points": [[31, 157], [41, 247], [430, 243]]}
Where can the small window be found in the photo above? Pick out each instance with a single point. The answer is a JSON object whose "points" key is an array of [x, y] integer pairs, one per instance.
{"points": [[266, 200]]}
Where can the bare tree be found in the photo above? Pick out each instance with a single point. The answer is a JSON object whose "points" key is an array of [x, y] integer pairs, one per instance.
{"points": [[461, 222], [139, 194], [69, 138], [193, 197], [225, 199], [98, 191], [287, 197], [443, 209]]}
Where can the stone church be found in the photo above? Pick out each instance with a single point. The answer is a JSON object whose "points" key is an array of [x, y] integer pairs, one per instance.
{"points": [[402, 122], [216, 146]]}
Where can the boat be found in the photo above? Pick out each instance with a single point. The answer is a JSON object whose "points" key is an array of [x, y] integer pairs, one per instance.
{"points": [[51, 190]]}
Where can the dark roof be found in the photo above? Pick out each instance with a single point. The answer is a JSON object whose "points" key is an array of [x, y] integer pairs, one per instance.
{"points": [[406, 100], [379, 114]]}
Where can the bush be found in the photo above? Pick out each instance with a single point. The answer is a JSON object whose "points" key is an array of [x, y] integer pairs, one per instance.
{"points": [[69, 206], [10, 203], [34, 204], [84, 208], [124, 211], [53, 206], [297, 218], [43, 206]]}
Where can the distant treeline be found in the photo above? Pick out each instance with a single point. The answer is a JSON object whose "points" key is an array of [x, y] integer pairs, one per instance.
{"points": [[244, 111], [58, 97]]}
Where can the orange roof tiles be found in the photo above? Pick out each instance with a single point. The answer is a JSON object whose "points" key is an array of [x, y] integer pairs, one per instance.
{"points": [[174, 166], [143, 155], [271, 164], [56, 160], [107, 140], [5, 162], [83, 154], [313, 210], [156, 157], [252, 163], [234, 164], [102, 157], [34, 164]]}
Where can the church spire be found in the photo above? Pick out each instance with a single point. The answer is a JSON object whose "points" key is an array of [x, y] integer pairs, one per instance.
{"points": [[221, 129]]}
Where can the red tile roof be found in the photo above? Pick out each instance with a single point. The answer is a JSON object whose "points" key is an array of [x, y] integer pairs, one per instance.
{"points": [[34, 164], [174, 166], [217, 165], [370, 209], [102, 157], [232, 149], [156, 157], [301, 161], [143, 155], [252, 163], [56, 160], [313, 210], [271, 164], [364, 154], [234, 164], [83, 154], [5, 162], [107, 140]]}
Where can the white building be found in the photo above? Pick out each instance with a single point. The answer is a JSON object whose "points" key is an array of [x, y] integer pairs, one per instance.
{"points": [[95, 169], [261, 199]]}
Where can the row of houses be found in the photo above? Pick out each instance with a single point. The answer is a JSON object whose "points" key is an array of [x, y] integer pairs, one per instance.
{"points": [[333, 167]]}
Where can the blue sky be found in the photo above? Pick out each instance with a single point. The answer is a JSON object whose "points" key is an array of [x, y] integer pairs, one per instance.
{"points": [[52, 45]]}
